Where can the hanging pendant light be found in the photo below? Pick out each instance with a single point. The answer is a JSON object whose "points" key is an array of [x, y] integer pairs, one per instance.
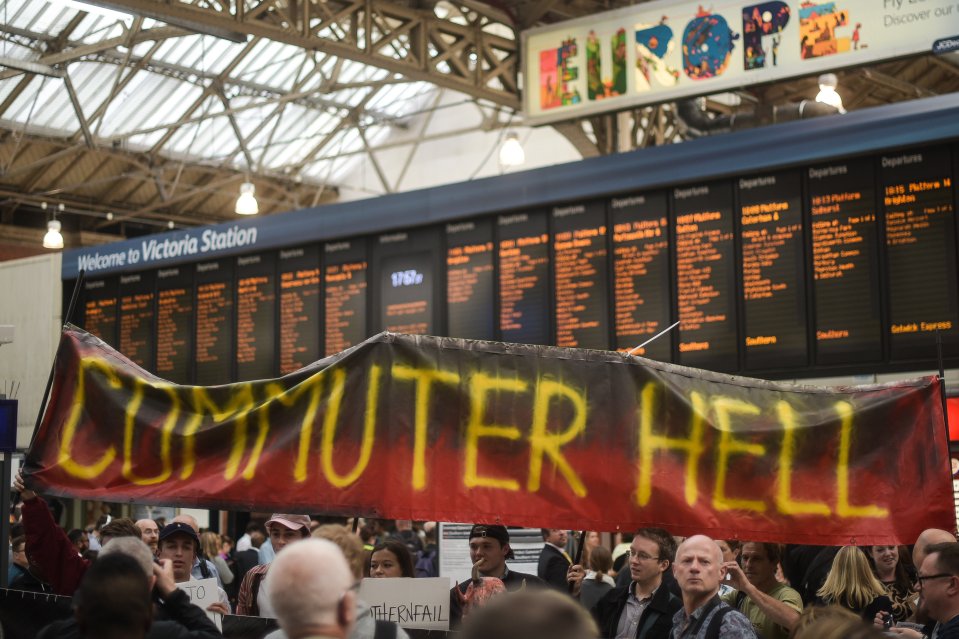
{"points": [[246, 204], [511, 153], [53, 238], [827, 91]]}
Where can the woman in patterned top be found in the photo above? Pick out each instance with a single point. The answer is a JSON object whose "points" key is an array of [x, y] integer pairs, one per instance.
{"points": [[892, 572]]}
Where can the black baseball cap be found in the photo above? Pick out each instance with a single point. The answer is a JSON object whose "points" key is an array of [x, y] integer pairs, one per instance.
{"points": [[180, 528], [499, 533]]}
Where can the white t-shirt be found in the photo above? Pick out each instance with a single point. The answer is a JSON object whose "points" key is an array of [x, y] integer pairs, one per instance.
{"points": [[263, 598]]}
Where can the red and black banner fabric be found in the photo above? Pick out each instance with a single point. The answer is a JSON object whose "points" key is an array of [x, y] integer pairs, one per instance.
{"points": [[416, 427]]}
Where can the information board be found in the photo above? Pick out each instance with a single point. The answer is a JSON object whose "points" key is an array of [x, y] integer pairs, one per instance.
{"points": [[136, 336], [174, 324], [523, 258], [845, 254], [580, 276], [641, 281], [920, 237], [405, 272], [300, 313], [255, 316], [839, 268], [214, 322], [100, 309], [469, 280], [773, 280], [345, 294], [706, 276]]}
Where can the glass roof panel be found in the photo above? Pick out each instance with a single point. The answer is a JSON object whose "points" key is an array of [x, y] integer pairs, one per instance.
{"points": [[155, 97]]}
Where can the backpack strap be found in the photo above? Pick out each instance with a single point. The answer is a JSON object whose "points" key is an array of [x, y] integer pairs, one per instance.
{"points": [[740, 598], [716, 623], [204, 569], [652, 616]]}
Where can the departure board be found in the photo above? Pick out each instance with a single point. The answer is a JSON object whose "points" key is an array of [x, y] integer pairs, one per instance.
{"points": [[469, 280], [641, 288], [920, 233], [100, 309], [174, 324], [523, 256], [406, 287], [255, 316], [136, 336], [300, 313], [845, 254], [580, 297], [773, 281], [214, 323], [706, 276], [345, 301]]}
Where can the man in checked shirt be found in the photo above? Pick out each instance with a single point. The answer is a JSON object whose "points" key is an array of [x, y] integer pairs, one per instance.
{"points": [[699, 570]]}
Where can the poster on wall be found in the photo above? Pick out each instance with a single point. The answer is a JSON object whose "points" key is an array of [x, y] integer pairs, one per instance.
{"points": [[659, 51]]}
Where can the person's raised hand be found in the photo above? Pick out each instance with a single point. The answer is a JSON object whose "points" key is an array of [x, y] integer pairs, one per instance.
{"points": [[25, 493], [165, 583]]}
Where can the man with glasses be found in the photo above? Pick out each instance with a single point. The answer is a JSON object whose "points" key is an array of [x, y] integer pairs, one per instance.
{"points": [[772, 607], [645, 608], [938, 582]]}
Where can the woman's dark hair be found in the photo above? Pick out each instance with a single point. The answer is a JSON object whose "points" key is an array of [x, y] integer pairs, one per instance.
{"points": [[402, 553], [600, 560], [903, 580]]}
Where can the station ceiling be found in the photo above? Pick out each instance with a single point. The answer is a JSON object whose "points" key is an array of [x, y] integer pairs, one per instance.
{"points": [[128, 116]]}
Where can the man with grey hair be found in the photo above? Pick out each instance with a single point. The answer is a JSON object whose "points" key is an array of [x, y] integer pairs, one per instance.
{"points": [[699, 570], [311, 591]]}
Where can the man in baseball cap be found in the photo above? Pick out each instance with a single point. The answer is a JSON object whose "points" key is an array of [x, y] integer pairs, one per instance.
{"points": [[253, 598], [179, 543], [489, 546]]}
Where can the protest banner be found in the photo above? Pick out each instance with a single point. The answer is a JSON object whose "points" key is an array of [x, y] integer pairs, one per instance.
{"points": [[417, 427]]}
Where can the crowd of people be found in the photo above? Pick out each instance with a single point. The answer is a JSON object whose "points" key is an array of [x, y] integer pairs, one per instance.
{"points": [[125, 579]]}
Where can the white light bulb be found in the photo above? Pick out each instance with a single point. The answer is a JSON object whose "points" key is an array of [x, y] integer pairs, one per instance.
{"points": [[512, 153], [53, 239], [246, 204]]}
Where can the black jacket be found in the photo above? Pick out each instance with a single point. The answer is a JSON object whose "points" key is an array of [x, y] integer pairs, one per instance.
{"points": [[553, 566], [177, 618], [664, 605]]}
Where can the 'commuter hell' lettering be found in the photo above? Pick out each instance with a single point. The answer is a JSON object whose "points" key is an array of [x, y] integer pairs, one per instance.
{"points": [[437, 428]]}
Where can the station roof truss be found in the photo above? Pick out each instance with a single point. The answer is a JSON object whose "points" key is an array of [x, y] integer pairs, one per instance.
{"points": [[138, 114]]}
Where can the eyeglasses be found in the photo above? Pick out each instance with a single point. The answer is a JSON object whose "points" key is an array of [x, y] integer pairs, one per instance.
{"points": [[641, 555], [923, 578]]}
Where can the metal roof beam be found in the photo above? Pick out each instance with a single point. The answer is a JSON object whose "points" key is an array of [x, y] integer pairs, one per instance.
{"points": [[388, 26]]}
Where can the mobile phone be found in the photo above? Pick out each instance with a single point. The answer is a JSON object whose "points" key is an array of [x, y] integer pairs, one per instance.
{"points": [[887, 621]]}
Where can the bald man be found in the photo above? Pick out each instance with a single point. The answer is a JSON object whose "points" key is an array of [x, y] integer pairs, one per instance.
{"points": [[927, 538], [699, 570], [149, 533], [311, 590]]}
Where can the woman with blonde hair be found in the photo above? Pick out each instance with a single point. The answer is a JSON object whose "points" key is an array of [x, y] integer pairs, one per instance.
{"points": [[851, 584], [211, 545], [832, 622]]}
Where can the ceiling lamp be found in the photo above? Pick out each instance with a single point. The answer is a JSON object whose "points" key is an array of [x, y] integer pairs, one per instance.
{"points": [[246, 203], [53, 238], [827, 91], [511, 153]]}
